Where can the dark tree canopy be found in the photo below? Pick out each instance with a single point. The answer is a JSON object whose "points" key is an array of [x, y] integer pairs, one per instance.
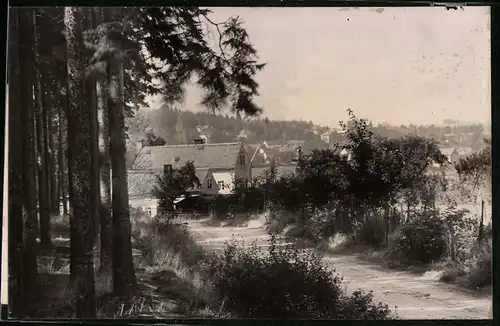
{"points": [[174, 185], [177, 39]]}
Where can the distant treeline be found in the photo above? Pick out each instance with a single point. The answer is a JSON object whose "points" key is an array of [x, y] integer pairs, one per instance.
{"points": [[180, 127]]}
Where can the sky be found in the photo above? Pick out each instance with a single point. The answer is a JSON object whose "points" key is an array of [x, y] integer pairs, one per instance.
{"points": [[392, 65]]}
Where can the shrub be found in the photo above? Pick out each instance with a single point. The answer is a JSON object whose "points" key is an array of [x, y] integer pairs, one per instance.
{"points": [[372, 231], [480, 266], [360, 305], [421, 240], [466, 234], [284, 282], [162, 241], [321, 225]]}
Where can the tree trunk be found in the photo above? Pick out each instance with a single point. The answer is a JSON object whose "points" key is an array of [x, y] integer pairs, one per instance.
{"points": [[105, 212], [94, 154], [387, 222], [51, 160], [61, 156], [453, 243], [43, 199], [90, 85], [105, 219], [26, 67], [124, 280], [80, 158], [73, 229], [15, 175], [47, 135], [481, 224]]}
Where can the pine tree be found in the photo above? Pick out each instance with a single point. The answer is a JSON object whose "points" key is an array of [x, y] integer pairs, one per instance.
{"points": [[80, 158], [15, 176], [43, 185], [26, 73]]}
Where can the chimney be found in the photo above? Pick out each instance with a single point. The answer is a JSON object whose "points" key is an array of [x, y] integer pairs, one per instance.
{"points": [[138, 145], [167, 169]]}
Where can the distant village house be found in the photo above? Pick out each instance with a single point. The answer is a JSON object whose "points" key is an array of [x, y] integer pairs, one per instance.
{"points": [[219, 166]]}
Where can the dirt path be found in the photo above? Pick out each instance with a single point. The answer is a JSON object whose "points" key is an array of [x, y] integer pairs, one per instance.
{"points": [[415, 296]]}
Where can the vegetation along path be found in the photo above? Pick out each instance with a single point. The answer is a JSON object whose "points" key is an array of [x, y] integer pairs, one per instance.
{"points": [[415, 296]]}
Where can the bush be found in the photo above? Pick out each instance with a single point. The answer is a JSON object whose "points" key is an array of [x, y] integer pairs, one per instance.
{"points": [[164, 241], [360, 305], [372, 231], [466, 234], [481, 267], [285, 282], [421, 240], [321, 225]]}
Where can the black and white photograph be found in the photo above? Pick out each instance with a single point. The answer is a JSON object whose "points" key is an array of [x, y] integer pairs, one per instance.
{"points": [[248, 162]]}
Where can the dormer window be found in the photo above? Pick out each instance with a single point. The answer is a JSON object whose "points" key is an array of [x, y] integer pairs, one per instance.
{"points": [[242, 159]]}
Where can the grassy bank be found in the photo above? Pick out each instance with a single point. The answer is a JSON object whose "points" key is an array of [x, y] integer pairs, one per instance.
{"points": [[177, 278]]}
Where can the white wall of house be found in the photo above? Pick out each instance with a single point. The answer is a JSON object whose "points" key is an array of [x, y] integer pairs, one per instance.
{"points": [[209, 186], [149, 205], [225, 180]]}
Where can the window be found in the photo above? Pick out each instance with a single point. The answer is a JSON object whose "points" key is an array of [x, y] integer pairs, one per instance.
{"points": [[167, 169], [148, 211], [209, 183], [242, 159], [221, 184]]}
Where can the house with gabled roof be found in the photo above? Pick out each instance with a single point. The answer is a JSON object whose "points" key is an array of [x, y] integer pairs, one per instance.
{"points": [[220, 158], [219, 166], [141, 183]]}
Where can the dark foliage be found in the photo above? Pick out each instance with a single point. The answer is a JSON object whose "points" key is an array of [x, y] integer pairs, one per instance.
{"points": [[172, 186], [423, 240], [256, 284], [176, 37], [153, 140], [366, 173], [474, 168]]}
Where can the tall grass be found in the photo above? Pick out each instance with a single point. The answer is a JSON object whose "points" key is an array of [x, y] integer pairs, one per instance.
{"points": [[170, 260]]}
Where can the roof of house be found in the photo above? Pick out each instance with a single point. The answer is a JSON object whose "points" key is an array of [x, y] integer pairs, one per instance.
{"points": [[217, 155], [201, 174], [140, 183]]}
